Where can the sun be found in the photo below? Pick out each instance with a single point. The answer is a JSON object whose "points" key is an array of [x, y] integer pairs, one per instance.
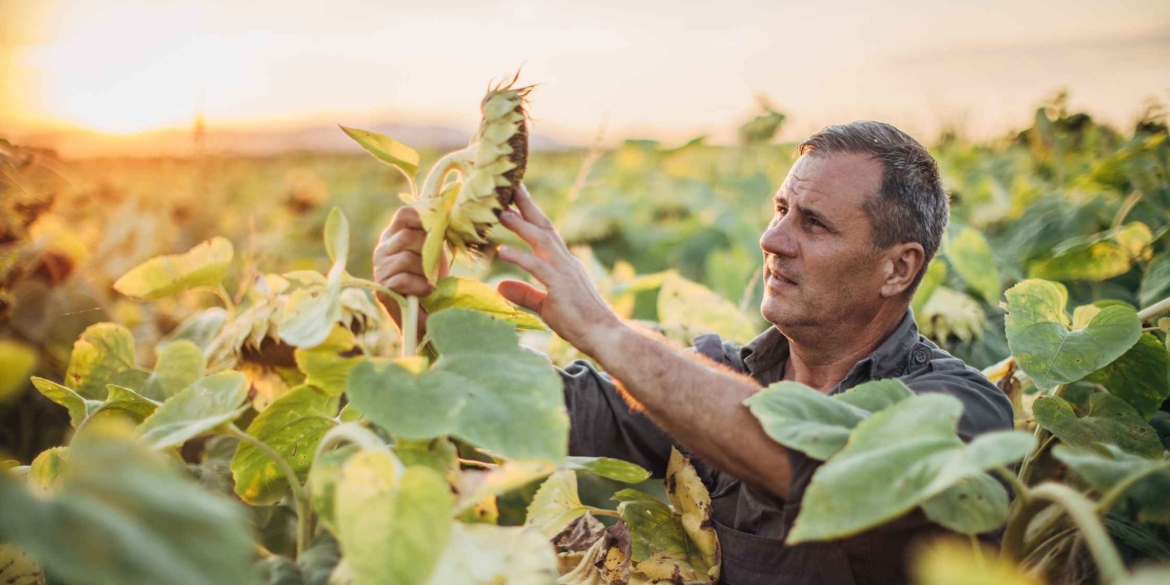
{"points": [[151, 78]]}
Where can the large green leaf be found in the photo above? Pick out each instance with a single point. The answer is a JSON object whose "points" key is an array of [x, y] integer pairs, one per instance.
{"points": [[484, 389], [292, 426], [555, 504], [661, 548], [1047, 350], [483, 554], [973, 506], [163, 276], [386, 149], [1141, 376], [104, 354], [1110, 420], [327, 365], [202, 406], [17, 361], [970, 256], [454, 292], [122, 514], [1097, 257], [180, 363], [393, 521], [896, 460], [1106, 466], [815, 424]]}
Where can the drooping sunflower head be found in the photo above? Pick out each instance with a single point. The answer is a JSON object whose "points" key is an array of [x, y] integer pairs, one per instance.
{"points": [[462, 211], [503, 138]]}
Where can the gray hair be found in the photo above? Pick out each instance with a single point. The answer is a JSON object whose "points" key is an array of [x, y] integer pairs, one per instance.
{"points": [[911, 204]]}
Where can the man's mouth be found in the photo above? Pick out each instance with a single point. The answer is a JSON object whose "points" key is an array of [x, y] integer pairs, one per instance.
{"points": [[777, 279]]}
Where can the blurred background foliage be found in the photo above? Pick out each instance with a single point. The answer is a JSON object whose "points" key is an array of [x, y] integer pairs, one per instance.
{"points": [[1067, 199]]}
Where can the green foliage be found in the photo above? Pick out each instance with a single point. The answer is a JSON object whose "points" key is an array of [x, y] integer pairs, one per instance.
{"points": [[199, 408], [292, 426], [1044, 346], [970, 256], [116, 501], [163, 276], [465, 394], [472, 294], [815, 424], [393, 522], [470, 435], [104, 354], [1109, 420], [912, 448]]}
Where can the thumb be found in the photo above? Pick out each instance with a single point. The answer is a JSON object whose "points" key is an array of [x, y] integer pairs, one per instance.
{"points": [[523, 294]]}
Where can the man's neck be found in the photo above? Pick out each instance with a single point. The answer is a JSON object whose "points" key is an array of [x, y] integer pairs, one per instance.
{"points": [[822, 358]]}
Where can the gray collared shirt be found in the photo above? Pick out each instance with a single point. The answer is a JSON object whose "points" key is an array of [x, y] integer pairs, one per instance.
{"points": [[752, 522]]}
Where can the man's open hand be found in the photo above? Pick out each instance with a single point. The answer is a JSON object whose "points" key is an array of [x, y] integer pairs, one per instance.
{"points": [[571, 305]]}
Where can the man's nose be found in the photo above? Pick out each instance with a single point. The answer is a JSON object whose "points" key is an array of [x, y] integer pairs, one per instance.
{"points": [[778, 239]]}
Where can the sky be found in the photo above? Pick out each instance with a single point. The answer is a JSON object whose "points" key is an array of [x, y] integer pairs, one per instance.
{"points": [[657, 69]]}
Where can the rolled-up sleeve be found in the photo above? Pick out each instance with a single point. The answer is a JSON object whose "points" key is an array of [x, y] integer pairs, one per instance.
{"points": [[603, 425]]}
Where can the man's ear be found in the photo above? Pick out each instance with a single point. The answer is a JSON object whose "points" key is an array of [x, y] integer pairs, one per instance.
{"points": [[903, 263]]}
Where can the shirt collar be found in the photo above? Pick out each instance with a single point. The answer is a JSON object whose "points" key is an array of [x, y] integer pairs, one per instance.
{"points": [[764, 357]]}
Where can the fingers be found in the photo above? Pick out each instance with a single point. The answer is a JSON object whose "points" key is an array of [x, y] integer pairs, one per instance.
{"points": [[523, 294], [408, 284], [404, 240], [405, 218], [529, 262], [528, 208]]}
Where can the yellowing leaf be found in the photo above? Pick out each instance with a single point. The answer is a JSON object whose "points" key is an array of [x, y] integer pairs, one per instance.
{"points": [[1047, 350], [465, 293], [691, 501], [952, 562], [393, 522], [555, 505], [386, 149], [104, 354], [292, 426], [327, 365], [163, 276]]}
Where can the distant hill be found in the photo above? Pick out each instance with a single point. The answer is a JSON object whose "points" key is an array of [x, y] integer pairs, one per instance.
{"points": [[181, 143]]}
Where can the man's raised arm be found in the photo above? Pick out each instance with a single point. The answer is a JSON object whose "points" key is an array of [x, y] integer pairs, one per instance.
{"points": [[697, 402]]}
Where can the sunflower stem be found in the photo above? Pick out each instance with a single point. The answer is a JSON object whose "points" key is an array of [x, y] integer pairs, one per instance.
{"points": [[410, 327]]}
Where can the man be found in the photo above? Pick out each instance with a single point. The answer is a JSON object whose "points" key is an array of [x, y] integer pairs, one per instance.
{"points": [[856, 221]]}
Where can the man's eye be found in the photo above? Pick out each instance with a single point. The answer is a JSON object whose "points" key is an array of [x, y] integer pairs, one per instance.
{"points": [[781, 209]]}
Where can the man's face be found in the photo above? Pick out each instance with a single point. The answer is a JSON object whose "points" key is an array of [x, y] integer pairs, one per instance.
{"points": [[820, 267]]}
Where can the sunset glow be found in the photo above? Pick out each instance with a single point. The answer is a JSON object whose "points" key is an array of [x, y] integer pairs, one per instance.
{"points": [[662, 69]]}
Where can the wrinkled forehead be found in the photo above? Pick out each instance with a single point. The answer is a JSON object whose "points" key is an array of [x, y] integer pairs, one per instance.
{"points": [[834, 180]]}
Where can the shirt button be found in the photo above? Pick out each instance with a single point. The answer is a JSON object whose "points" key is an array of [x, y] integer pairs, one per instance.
{"points": [[921, 355]]}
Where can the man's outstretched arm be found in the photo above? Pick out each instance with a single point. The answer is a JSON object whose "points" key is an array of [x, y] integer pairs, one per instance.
{"points": [[697, 402]]}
